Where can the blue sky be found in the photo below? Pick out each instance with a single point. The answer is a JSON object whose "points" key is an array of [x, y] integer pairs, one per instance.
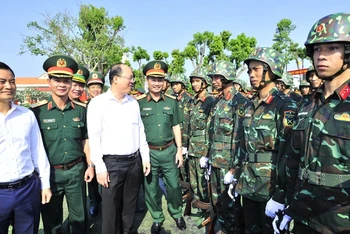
{"points": [[163, 25]]}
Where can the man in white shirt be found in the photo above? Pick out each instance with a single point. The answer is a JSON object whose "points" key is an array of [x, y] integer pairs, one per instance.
{"points": [[117, 139], [24, 167]]}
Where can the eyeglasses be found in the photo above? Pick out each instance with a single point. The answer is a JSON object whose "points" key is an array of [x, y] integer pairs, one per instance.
{"points": [[131, 78]]}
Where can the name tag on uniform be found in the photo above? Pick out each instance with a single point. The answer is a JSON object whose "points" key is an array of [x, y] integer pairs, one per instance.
{"points": [[302, 113], [167, 108], [147, 108], [49, 120]]}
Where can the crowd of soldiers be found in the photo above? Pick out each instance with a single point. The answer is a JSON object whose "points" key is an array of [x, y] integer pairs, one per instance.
{"points": [[256, 158], [241, 159]]}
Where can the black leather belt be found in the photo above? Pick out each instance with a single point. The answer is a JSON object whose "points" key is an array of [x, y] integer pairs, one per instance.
{"points": [[121, 158], [16, 184]]}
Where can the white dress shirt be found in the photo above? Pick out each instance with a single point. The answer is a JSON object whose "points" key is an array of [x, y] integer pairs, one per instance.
{"points": [[21, 147], [115, 128]]}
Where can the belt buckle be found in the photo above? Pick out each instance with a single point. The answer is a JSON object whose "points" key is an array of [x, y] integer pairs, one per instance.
{"points": [[65, 167], [160, 148]]}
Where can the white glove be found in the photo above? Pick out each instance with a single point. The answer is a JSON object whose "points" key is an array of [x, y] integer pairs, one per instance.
{"points": [[272, 207], [229, 192], [184, 151], [284, 224], [203, 162], [229, 178]]}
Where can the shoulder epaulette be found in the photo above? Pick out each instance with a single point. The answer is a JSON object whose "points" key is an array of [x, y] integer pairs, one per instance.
{"points": [[79, 103], [41, 103], [141, 96], [170, 96]]}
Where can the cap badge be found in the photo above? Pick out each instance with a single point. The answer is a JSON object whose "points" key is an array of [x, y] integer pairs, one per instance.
{"points": [[319, 28], [94, 76], [80, 72], [61, 63], [157, 66]]}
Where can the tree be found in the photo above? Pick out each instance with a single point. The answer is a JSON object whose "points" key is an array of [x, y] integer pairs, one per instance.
{"points": [[26, 96], [177, 65], [159, 55], [139, 55], [282, 41], [196, 49], [92, 39], [241, 47]]}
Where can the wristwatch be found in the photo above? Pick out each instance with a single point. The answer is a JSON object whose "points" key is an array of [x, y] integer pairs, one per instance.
{"points": [[91, 165]]}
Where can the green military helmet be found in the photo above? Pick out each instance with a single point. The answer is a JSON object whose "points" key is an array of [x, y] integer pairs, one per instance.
{"points": [[269, 56], [223, 68], [60, 66], [287, 79], [82, 74], [304, 83], [201, 73], [331, 28], [240, 82], [96, 78], [179, 78], [309, 70]]}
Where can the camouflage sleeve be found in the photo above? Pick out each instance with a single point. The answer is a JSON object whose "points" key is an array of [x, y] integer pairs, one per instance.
{"points": [[207, 107], [238, 116], [185, 123], [285, 121]]}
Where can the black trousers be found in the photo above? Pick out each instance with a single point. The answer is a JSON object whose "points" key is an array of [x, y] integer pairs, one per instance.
{"points": [[120, 198], [255, 219], [94, 194]]}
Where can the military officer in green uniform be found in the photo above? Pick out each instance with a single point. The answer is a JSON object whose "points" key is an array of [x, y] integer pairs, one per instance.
{"points": [[95, 84], [78, 83], [161, 117], [63, 127]]}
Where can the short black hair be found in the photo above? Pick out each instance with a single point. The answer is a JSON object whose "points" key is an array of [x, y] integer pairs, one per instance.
{"points": [[116, 70], [4, 66]]}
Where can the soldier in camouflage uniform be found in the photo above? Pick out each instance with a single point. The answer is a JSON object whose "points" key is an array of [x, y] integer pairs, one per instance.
{"points": [[224, 121], [313, 79], [198, 109], [179, 83], [284, 84], [166, 86], [318, 162], [304, 88], [266, 131]]}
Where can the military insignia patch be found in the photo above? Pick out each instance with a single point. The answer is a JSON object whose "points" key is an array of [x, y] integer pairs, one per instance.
{"points": [[49, 120], [342, 117], [288, 119], [319, 28], [267, 116], [76, 119], [240, 110], [157, 66], [61, 63], [200, 110], [226, 109], [167, 108]]}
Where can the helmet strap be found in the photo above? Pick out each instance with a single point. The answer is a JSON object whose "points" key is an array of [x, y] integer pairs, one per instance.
{"points": [[263, 81]]}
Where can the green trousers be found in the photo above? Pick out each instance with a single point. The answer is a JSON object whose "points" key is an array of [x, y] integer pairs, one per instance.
{"points": [[70, 184], [163, 161]]}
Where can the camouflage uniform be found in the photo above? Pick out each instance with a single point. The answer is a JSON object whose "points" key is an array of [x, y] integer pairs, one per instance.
{"points": [[320, 148], [287, 79], [199, 110], [225, 119], [265, 135]]}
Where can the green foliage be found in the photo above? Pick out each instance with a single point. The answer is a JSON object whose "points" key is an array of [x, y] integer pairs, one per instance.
{"points": [[139, 55], [92, 39], [29, 94], [205, 48], [282, 41], [177, 65], [159, 55]]}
